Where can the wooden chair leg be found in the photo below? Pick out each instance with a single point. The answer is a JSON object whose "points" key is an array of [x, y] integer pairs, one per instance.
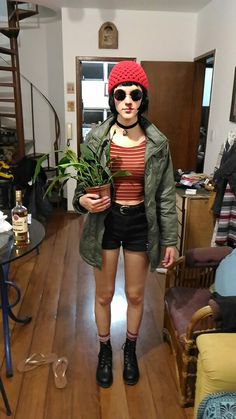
{"points": [[5, 399]]}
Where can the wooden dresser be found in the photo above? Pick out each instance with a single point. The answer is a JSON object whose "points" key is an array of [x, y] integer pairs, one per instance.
{"points": [[195, 220]]}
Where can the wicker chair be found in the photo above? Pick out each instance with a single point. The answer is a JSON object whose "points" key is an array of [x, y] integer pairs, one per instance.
{"points": [[187, 312]]}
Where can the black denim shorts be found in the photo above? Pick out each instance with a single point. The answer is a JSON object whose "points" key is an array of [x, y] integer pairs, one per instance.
{"points": [[126, 225]]}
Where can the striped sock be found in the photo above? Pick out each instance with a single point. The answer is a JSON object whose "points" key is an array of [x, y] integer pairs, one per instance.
{"points": [[131, 336], [104, 338]]}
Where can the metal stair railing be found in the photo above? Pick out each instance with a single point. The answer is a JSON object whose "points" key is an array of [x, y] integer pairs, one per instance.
{"points": [[15, 14], [56, 142]]}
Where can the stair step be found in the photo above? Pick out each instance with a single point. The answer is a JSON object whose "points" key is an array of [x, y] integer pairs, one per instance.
{"points": [[8, 51], [18, 2], [6, 128], [7, 84], [6, 68], [7, 115], [10, 32], [7, 100], [23, 14]]}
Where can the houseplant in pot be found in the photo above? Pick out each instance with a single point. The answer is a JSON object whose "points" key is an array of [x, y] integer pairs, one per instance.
{"points": [[87, 170]]}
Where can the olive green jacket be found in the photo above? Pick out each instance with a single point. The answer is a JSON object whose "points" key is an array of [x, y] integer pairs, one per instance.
{"points": [[159, 196]]}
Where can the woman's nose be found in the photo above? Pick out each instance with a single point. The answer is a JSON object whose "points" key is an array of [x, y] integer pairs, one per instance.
{"points": [[128, 99]]}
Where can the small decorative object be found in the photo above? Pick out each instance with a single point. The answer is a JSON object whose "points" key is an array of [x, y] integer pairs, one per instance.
{"points": [[232, 117], [70, 87], [70, 106], [108, 36]]}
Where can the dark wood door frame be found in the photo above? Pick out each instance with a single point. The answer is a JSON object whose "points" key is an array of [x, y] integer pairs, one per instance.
{"points": [[78, 64], [206, 55], [201, 60]]}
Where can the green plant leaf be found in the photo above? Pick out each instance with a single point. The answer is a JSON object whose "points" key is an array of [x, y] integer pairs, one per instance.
{"points": [[38, 167]]}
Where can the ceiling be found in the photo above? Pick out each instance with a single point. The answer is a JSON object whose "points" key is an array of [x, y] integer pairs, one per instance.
{"points": [[157, 5]]}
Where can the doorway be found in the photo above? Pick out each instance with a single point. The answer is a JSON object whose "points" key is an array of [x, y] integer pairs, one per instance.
{"points": [[92, 75], [208, 60]]}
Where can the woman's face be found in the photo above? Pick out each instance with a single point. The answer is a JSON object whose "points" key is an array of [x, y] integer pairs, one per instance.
{"points": [[127, 101]]}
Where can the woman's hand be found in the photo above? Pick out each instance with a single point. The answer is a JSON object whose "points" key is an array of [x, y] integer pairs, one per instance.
{"points": [[92, 203], [169, 257]]}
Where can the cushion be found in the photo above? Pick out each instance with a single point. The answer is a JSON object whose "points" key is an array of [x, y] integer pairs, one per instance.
{"points": [[218, 406], [206, 256], [225, 279], [216, 366], [183, 302]]}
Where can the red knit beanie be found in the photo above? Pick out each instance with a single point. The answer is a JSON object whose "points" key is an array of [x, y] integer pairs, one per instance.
{"points": [[127, 71]]}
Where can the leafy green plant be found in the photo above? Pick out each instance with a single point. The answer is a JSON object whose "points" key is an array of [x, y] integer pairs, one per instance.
{"points": [[87, 169], [38, 167]]}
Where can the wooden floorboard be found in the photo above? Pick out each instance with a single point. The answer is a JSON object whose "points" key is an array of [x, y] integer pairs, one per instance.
{"points": [[58, 290]]}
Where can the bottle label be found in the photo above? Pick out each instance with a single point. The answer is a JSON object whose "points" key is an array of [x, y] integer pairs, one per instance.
{"points": [[19, 224]]}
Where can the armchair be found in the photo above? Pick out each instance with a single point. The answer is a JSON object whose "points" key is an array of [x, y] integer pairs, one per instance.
{"points": [[187, 313]]}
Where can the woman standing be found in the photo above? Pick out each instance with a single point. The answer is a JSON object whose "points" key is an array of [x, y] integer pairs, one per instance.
{"points": [[141, 217]]}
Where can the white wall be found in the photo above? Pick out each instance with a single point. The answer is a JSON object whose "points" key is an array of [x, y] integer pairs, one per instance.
{"points": [[216, 30], [40, 52], [143, 35]]}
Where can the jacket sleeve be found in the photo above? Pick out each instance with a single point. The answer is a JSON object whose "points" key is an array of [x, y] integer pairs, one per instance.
{"points": [[79, 191], [166, 205]]}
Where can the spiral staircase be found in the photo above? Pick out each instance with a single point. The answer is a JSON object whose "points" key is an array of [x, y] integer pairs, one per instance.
{"points": [[13, 144]]}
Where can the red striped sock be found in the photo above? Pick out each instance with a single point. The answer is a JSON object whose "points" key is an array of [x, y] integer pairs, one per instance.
{"points": [[131, 336], [104, 338]]}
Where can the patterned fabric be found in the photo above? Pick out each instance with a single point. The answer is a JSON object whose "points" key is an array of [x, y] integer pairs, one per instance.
{"points": [[127, 71], [225, 174], [132, 159], [218, 406], [226, 233]]}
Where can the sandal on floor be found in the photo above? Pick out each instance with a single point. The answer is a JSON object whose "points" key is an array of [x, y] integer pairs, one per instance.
{"points": [[35, 360], [59, 368]]}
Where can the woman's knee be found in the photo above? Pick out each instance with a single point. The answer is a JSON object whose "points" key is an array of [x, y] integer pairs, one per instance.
{"points": [[134, 298], [104, 298]]}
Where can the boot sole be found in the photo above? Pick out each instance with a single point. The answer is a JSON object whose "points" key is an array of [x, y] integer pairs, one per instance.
{"points": [[104, 385], [131, 383]]}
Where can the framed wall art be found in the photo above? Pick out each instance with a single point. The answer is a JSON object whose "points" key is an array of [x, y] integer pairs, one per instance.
{"points": [[108, 36]]}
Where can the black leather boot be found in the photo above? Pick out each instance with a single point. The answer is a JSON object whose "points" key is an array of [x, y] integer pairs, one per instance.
{"points": [[104, 375], [131, 370]]}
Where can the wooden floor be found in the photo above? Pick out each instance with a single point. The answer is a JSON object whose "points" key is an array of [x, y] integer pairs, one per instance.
{"points": [[57, 290]]}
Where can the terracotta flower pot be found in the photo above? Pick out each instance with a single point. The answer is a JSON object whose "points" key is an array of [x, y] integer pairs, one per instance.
{"points": [[101, 190]]}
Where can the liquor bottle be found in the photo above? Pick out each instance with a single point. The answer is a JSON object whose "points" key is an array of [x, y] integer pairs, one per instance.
{"points": [[20, 222]]}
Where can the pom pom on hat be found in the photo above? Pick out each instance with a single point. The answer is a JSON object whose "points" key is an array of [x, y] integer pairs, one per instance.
{"points": [[127, 71]]}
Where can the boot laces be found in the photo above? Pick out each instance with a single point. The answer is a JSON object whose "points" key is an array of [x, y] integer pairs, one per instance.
{"points": [[105, 356], [130, 353]]}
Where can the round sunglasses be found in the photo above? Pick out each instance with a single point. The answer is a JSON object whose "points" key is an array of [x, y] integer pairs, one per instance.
{"points": [[135, 95]]}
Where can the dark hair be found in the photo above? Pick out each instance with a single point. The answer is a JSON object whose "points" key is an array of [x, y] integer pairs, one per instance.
{"points": [[144, 104]]}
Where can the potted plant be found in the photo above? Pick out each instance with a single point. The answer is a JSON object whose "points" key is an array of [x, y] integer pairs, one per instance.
{"points": [[87, 170]]}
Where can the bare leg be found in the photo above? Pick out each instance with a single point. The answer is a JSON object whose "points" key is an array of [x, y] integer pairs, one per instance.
{"points": [[136, 269], [105, 287]]}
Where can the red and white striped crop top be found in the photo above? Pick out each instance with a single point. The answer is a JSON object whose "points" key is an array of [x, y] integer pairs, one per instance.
{"points": [[129, 188]]}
